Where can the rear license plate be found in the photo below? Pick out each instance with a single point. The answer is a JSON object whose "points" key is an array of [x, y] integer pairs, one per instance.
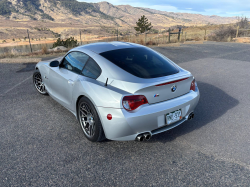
{"points": [[173, 116]]}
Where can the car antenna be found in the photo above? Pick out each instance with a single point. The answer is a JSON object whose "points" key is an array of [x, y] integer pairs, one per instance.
{"points": [[107, 82]]}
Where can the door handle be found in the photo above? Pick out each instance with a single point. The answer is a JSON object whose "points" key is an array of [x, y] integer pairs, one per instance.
{"points": [[70, 82]]}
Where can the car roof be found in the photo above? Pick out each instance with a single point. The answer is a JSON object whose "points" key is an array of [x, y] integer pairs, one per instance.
{"points": [[101, 47]]}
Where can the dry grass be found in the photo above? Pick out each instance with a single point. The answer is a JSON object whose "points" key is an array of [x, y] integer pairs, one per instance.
{"points": [[211, 32], [44, 50], [34, 54]]}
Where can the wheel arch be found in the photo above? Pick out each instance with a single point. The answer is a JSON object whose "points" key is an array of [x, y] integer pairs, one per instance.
{"points": [[77, 101]]}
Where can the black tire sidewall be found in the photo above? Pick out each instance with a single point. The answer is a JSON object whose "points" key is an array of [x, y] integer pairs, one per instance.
{"points": [[98, 125]]}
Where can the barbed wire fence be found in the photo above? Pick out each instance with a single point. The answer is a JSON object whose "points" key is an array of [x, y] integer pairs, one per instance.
{"points": [[111, 33]]}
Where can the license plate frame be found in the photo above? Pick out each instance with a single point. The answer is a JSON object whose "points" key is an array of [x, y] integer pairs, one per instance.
{"points": [[173, 117]]}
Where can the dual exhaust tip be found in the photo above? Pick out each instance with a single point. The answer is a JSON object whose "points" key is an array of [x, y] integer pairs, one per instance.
{"points": [[146, 136], [191, 116], [143, 137]]}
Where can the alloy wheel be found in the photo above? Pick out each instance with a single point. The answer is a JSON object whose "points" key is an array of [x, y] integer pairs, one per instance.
{"points": [[87, 120], [39, 84]]}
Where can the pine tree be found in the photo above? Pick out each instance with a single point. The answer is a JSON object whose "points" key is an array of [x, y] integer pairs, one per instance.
{"points": [[143, 25]]}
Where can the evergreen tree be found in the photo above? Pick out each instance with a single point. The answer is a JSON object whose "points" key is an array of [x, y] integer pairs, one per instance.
{"points": [[143, 25]]}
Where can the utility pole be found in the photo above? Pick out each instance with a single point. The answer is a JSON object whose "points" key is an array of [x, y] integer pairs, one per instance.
{"points": [[29, 40]]}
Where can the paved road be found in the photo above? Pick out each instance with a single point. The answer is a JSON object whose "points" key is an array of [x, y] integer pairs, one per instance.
{"points": [[41, 143]]}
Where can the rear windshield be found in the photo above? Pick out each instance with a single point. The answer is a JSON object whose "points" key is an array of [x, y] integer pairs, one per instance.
{"points": [[141, 62]]}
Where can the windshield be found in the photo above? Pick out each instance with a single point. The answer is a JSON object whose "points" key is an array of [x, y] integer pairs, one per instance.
{"points": [[141, 62]]}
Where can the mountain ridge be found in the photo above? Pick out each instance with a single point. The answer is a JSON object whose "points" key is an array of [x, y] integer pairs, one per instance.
{"points": [[102, 13]]}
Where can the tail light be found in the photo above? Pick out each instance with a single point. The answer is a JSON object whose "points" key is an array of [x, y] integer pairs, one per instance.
{"points": [[192, 87], [133, 102]]}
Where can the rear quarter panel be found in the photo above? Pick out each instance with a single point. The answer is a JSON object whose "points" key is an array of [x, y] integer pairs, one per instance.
{"points": [[99, 94]]}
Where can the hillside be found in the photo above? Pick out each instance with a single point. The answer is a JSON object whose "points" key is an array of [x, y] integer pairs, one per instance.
{"points": [[52, 18], [102, 13]]}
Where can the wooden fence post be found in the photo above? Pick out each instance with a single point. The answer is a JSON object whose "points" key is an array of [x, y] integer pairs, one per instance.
{"points": [[158, 38], [117, 34], [237, 32], [185, 36], [205, 37], [81, 36], [181, 34], [169, 35], [29, 40]]}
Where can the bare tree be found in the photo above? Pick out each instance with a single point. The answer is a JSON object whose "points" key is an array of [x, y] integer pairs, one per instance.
{"points": [[243, 23]]}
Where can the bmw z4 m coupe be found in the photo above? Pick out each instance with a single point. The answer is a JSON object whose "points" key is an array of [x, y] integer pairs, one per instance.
{"points": [[119, 91]]}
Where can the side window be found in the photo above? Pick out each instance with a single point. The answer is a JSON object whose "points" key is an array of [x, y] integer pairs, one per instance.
{"points": [[75, 61], [91, 69]]}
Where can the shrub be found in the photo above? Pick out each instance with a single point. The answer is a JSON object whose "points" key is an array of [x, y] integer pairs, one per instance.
{"points": [[141, 42], [197, 38], [151, 43], [44, 50], [6, 8], [69, 43], [46, 16], [223, 33], [154, 31]]}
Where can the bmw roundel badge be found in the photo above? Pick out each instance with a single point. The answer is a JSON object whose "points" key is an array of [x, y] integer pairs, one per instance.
{"points": [[173, 88]]}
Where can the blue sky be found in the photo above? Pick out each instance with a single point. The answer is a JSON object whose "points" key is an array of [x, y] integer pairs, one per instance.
{"points": [[227, 8]]}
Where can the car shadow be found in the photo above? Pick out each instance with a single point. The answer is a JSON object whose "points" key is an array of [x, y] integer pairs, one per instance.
{"points": [[213, 103]]}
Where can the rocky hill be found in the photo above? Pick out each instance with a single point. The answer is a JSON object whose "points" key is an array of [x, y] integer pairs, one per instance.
{"points": [[103, 13]]}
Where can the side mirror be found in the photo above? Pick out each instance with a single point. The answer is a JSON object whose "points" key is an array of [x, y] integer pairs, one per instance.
{"points": [[54, 64]]}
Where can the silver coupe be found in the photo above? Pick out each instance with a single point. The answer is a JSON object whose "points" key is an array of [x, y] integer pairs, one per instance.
{"points": [[119, 91]]}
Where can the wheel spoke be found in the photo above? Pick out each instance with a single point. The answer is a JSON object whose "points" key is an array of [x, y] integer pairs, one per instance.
{"points": [[87, 108], [43, 88], [82, 113], [84, 109]]}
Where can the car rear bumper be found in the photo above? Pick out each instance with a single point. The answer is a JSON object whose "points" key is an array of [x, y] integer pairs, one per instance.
{"points": [[125, 125]]}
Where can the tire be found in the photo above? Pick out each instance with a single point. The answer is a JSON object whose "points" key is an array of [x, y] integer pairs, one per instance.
{"points": [[90, 121], [38, 83]]}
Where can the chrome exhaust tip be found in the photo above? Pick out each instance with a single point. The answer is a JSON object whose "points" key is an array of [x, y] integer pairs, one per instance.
{"points": [[147, 136], [191, 116], [140, 138]]}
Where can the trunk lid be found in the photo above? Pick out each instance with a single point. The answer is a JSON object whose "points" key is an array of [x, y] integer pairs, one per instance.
{"points": [[159, 89], [167, 90]]}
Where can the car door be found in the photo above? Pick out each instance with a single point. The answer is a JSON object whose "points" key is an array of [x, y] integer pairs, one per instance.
{"points": [[62, 79]]}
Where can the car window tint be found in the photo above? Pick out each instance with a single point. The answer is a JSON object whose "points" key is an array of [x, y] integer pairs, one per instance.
{"points": [[141, 62], [75, 61], [91, 69]]}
